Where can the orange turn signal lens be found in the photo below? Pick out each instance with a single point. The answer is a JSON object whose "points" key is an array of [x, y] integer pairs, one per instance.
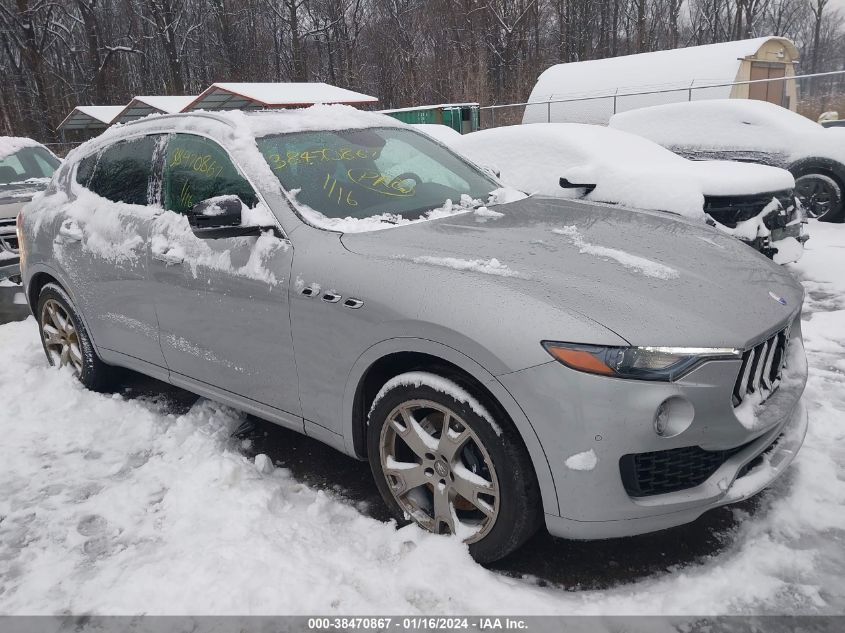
{"points": [[580, 360]]}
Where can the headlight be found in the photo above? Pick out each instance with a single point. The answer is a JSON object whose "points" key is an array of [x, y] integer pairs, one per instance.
{"points": [[641, 363]]}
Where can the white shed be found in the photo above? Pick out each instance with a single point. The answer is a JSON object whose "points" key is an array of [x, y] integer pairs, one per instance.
{"points": [[592, 91]]}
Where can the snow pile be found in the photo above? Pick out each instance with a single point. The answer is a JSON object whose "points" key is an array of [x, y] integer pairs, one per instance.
{"points": [[12, 144], [623, 168], [734, 124], [439, 132], [632, 262], [582, 461], [173, 237], [382, 221], [490, 266]]}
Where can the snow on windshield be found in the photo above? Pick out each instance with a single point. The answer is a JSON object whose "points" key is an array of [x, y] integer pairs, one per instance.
{"points": [[624, 168]]}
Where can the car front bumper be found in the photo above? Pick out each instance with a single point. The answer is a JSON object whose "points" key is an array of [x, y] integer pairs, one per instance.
{"points": [[575, 413]]}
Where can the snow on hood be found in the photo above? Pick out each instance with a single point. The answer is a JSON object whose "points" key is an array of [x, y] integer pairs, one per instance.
{"points": [[624, 168], [11, 144], [650, 278], [738, 124]]}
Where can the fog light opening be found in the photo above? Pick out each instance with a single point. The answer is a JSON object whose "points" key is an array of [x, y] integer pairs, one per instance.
{"points": [[673, 416]]}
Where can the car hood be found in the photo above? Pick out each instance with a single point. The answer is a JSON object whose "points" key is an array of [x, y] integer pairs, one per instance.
{"points": [[651, 279], [726, 178]]}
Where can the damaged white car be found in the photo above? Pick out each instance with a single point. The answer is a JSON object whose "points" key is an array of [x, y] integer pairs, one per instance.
{"points": [[753, 203]]}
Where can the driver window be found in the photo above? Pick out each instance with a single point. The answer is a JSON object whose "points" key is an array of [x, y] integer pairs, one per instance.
{"points": [[197, 168]]}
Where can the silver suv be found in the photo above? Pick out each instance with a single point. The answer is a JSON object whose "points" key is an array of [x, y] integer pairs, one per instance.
{"points": [[502, 361]]}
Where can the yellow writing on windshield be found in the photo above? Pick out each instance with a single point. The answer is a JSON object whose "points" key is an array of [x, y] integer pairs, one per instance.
{"points": [[199, 163], [335, 191], [380, 183], [318, 155]]}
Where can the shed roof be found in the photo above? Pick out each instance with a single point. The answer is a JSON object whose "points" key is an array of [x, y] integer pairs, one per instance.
{"points": [[145, 105], [679, 68], [242, 96], [90, 117]]}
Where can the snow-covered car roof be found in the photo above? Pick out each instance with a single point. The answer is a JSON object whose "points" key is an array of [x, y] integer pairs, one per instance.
{"points": [[625, 169], [732, 124], [11, 144], [438, 131]]}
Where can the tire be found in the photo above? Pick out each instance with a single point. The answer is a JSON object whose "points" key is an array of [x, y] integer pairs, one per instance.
{"points": [[821, 196], [500, 506], [66, 341]]}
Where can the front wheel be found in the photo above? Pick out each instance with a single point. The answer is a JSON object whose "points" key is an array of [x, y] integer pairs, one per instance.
{"points": [[442, 461], [821, 196]]}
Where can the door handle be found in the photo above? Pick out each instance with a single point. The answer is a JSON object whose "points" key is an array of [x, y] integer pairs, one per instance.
{"points": [[331, 297], [168, 258], [69, 231]]}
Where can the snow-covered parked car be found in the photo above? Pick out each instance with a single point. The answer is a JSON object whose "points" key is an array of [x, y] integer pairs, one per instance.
{"points": [[752, 131], [753, 203], [502, 361], [26, 167]]}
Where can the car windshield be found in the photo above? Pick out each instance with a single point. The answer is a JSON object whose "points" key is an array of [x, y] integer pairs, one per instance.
{"points": [[370, 172], [26, 164]]}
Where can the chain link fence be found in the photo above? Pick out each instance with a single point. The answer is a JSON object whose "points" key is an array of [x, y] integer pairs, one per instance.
{"points": [[814, 94]]}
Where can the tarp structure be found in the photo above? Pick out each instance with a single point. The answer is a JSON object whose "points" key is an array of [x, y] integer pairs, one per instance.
{"points": [[145, 105], [595, 83], [252, 96], [90, 118]]}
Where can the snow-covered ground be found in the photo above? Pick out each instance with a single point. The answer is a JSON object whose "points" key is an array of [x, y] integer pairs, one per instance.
{"points": [[113, 504]]}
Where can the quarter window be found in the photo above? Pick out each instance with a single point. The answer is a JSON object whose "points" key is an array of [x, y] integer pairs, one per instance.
{"points": [[85, 169], [196, 169], [123, 172]]}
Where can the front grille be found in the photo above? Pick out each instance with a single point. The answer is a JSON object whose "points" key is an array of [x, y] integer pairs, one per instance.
{"points": [[661, 472], [730, 210], [761, 369]]}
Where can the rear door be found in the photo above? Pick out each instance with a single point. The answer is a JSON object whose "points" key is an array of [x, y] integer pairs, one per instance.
{"points": [[222, 304], [102, 242]]}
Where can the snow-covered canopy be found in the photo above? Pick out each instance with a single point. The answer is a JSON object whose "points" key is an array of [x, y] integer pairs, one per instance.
{"points": [[625, 169], [145, 105], [11, 144], [240, 96], [90, 117], [676, 69], [735, 124]]}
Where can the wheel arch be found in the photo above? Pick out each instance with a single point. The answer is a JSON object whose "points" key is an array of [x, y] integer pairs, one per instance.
{"points": [[396, 356], [41, 276], [815, 165]]}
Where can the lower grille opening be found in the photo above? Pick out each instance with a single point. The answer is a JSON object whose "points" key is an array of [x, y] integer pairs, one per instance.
{"points": [[661, 472]]}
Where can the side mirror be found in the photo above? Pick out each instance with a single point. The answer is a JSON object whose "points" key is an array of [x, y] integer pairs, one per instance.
{"points": [[220, 217], [564, 183], [216, 212]]}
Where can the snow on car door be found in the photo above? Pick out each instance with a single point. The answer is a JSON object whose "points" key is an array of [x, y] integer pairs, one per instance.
{"points": [[102, 242], [222, 304]]}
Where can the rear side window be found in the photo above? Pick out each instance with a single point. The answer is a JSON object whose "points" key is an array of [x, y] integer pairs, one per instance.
{"points": [[86, 169], [123, 171], [196, 169]]}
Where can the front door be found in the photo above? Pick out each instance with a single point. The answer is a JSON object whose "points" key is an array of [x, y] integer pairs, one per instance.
{"points": [[222, 304], [102, 243]]}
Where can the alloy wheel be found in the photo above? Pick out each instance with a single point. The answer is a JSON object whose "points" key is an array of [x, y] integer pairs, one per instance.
{"points": [[818, 194], [439, 471], [61, 339]]}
